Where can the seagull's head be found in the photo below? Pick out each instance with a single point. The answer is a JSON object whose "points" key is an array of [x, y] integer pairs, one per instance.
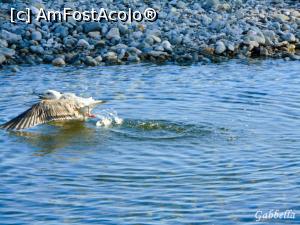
{"points": [[50, 95]]}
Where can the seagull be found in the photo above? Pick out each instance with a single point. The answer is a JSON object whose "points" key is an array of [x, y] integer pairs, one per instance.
{"points": [[54, 106]]}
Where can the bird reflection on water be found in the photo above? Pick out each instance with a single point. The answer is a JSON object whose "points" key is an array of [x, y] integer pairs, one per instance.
{"points": [[58, 135]]}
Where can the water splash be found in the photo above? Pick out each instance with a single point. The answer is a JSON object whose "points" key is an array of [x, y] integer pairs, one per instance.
{"points": [[108, 118]]}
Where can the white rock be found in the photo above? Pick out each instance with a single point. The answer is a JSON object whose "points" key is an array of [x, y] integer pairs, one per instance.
{"points": [[58, 62], [167, 45], [220, 47]]}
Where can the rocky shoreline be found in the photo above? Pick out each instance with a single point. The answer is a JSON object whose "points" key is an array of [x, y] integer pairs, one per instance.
{"points": [[185, 32]]}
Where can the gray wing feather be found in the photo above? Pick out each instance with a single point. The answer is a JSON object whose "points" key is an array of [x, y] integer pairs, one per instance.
{"points": [[43, 112]]}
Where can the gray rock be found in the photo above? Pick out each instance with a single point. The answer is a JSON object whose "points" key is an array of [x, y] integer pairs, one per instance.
{"points": [[133, 58], [90, 61], [156, 38], [293, 57], [289, 37], [36, 36], [3, 43], [68, 42], [181, 5], [134, 51], [37, 49], [122, 53], [11, 38], [255, 36], [111, 56], [83, 43], [61, 31], [137, 34], [2, 59], [149, 40], [159, 48], [220, 47], [113, 33], [269, 34], [7, 52], [34, 10], [91, 26], [157, 54], [230, 46], [94, 34], [205, 20], [209, 4], [253, 44], [281, 17], [270, 37], [98, 59], [167, 45], [58, 62], [123, 28]]}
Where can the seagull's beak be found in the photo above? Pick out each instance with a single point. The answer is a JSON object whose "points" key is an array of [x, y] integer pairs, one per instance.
{"points": [[100, 102], [40, 96]]}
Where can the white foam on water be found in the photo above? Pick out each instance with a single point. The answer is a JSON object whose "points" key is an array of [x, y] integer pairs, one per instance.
{"points": [[108, 118]]}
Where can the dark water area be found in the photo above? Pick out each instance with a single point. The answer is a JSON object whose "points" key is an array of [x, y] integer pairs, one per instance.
{"points": [[200, 144]]}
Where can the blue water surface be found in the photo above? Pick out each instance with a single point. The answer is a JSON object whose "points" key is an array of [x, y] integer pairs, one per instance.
{"points": [[199, 144]]}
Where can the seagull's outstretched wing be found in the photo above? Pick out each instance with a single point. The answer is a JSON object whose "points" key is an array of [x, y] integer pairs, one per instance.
{"points": [[43, 112]]}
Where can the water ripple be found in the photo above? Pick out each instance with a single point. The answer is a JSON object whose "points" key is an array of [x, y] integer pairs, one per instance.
{"points": [[199, 144]]}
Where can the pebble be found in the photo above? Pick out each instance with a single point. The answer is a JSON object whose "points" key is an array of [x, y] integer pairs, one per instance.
{"points": [[36, 36], [289, 37], [2, 59], [220, 47], [94, 34], [90, 61], [185, 31], [3, 43], [83, 43], [91, 26], [98, 59], [58, 62], [37, 49], [167, 45], [10, 37], [114, 33], [7, 52], [111, 57]]}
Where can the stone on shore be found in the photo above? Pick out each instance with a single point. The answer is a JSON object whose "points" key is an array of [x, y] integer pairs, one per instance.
{"points": [[111, 57], [91, 26], [90, 61], [167, 46], [37, 49], [7, 52], [185, 31], [58, 62], [220, 47], [2, 59], [3, 43], [36, 36], [10, 37], [114, 33], [83, 43]]}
